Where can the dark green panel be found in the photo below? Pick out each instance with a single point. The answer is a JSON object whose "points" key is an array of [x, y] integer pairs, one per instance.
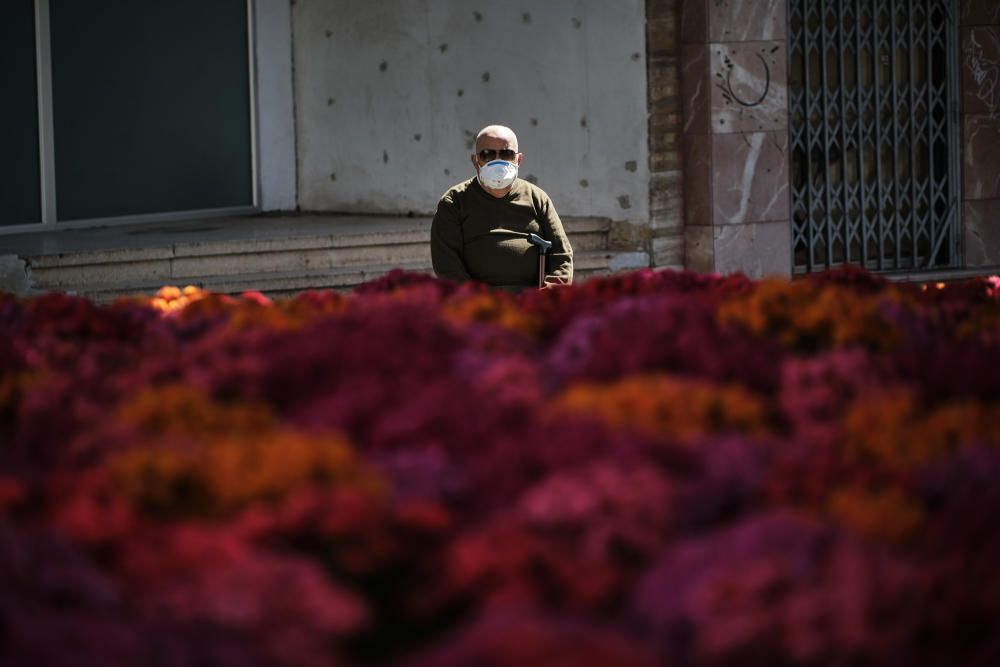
{"points": [[20, 189], [151, 106]]}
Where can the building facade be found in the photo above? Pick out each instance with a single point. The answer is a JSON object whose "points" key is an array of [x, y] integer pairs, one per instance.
{"points": [[769, 137], [818, 133]]}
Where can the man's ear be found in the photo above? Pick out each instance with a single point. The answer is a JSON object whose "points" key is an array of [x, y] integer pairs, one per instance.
{"points": [[475, 162], [520, 156]]}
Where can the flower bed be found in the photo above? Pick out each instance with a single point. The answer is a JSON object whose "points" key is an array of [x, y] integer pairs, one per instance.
{"points": [[653, 468]]}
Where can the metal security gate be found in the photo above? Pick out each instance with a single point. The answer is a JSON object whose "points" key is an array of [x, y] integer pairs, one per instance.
{"points": [[872, 95]]}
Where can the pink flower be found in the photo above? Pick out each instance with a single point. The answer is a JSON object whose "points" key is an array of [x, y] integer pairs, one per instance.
{"points": [[778, 588], [284, 605], [515, 638]]}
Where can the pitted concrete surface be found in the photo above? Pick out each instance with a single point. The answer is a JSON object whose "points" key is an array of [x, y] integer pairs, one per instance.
{"points": [[388, 102]]}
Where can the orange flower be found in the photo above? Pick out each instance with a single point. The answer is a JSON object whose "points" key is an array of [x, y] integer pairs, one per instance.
{"points": [[182, 409], [219, 477], [984, 325], [308, 306], [669, 407], [255, 310], [890, 428], [205, 305], [170, 298], [886, 515], [963, 423], [493, 307], [245, 315], [805, 316]]}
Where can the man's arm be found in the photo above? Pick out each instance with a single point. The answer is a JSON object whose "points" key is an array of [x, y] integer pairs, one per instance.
{"points": [[559, 266], [446, 243]]}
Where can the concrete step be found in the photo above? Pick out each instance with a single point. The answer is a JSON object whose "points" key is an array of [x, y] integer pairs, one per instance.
{"points": [[402, 232], [272, 283], [280, 258], [587, 242], [415, 233], [180, 269], [187, 261], [287, 283], [605, 262], [587, 234]]}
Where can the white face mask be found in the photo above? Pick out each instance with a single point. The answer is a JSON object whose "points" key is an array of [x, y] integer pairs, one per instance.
{"points": [[498, 174]]}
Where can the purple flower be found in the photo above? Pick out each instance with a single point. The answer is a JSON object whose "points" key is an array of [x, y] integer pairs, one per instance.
{"points": [[945, 370], [399, 279], [777, 589], [515, 638], [676, 333], [961, 545], [817, 391]]}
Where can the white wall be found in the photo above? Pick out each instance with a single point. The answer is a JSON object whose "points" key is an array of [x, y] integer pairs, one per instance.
{"points": [[275, 141], [382, 126]]}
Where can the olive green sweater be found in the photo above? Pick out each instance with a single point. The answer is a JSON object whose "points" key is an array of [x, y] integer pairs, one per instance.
{"points": [[476, 236]]}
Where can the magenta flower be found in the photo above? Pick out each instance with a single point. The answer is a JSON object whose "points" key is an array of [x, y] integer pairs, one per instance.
{"points": [[778, 588]]}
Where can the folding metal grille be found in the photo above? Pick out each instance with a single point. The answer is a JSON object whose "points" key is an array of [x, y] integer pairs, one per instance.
{"points": [[872, 121]]}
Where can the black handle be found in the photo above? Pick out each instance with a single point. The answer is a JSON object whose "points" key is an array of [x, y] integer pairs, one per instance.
{"points": [[543, 245]]}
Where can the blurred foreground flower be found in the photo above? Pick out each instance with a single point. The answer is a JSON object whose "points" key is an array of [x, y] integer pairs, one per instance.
{"points": [[652, 468]]}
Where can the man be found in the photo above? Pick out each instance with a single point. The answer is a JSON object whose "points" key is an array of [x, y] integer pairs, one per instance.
{"points": [[482, 226]]}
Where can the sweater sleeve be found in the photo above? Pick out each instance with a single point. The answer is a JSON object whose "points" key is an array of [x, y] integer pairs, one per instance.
{"points": [[446, 243], [559, 266]]}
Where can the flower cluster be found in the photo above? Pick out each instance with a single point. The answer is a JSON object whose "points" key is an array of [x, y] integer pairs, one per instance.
{"points": [[651, 468]]}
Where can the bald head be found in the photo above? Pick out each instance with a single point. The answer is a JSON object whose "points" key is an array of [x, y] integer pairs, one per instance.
{"points": [[496, 132]]}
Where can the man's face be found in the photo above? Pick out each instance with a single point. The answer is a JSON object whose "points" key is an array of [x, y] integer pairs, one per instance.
{"points": [[495, 147]]}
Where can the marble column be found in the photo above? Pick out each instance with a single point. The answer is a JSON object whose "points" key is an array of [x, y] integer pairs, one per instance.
{"points": [[735, 136], [979, 60]]}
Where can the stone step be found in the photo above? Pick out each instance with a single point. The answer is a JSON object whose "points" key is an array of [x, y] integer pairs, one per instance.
{"points": [[174, 262], [188, 261], [188, 268], [583, 242], [587, 233], [575, 225], [582, 231], [234, 246], [287, 283], [608, 261], [271, 283]]}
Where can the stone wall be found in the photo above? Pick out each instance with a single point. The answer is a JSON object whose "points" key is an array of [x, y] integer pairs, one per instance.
{"points": [[666, 201], [735, 136], [979, 61], [389, 95]]}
